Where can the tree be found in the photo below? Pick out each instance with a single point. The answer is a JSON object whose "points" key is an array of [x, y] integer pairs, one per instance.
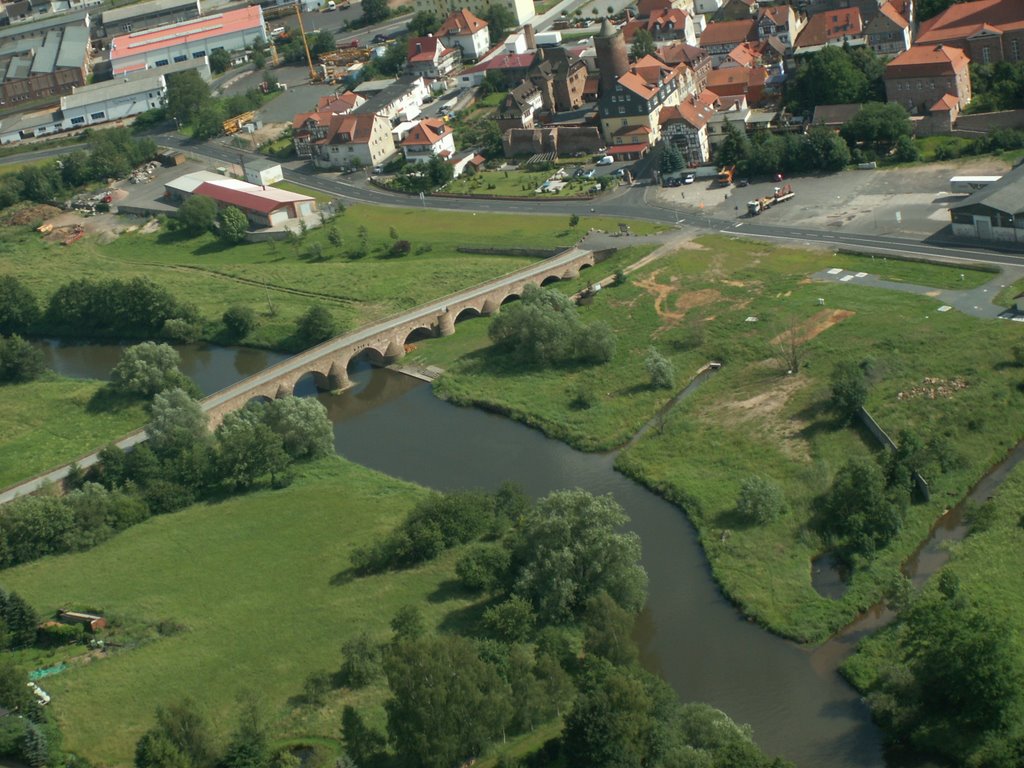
{"points": [[567, 549], [208, 121], [643, 45], [735, 147], [439, 171], [40, 183], [186, 93], [315, 325], [423, 24], [220, 60], [76, 169], [233, 225], [877, 125], [239, 320], [302, 423], [362, 661], [659, 369], [828, 76], [760, 500], [181, 738], [19, 360], [375, 11], [608, 630], [15, 694], [484, 567], [362, 743], [147, 368], [196, 215], [574, 221], [249, 746], [858, 510], [19, 309], [249, 450], [824, 149], [446, 703], [849, 389], [512, 621], [905, 151], [20, 620], [407, 623], [672, 159], [177, 423], [499, 20]]}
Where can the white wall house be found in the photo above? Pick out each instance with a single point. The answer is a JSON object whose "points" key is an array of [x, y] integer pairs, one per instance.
{"points": [[262, 172], [428, 139], [112, 100], [467, 32]]}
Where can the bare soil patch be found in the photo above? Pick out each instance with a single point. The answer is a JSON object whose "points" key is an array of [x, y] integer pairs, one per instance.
{"points": [[766, 410], [818, 323], [672, 309]]}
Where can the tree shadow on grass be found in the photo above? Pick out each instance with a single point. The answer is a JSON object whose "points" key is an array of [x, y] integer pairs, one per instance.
{"points": [[450, 589], [733, 520], [467, 620], [107, 400], [341, 578]]}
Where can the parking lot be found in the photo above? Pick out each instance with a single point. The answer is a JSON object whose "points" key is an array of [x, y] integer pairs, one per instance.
{"points": [[912, 201]]}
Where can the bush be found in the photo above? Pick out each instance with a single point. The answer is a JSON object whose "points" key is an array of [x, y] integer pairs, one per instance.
{"points": [[659, 369], [146, 369], [760, 500], [484, 567], [55, 635], [239, 320], [849, 389], [19, 360], [196, 215], [315, 326], [399, 248]]}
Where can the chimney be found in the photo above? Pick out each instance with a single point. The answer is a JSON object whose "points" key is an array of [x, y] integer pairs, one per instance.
{"points": [[531, 37]]}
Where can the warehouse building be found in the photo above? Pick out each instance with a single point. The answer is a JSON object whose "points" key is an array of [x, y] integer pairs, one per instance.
{"points": [[114, 100], [994, 212], [263, 206], [48, 63], [232, 31], [142, 16]]}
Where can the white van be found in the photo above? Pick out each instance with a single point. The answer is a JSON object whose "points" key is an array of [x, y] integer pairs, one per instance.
{"points": [[277, 31], [331, 5], [606, 160]]}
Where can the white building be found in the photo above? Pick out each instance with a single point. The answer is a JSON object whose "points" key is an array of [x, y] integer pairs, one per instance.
{"points": [[112, 100], [232, 31], [465, 31], [522, 10], [399, 99], [428, 139], [262, 172]]}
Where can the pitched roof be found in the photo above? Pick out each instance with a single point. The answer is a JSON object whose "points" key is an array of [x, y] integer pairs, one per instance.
{"points": [[339, 102], [216, 25], [682, 53], [350, 129], [826, 26], [889, 11], [249, 197], [112, 89], [666, 17], [646, 8], [961, 20], [744, 54], [947, 103], [927, 61], [694, 112], [461, 22], [1006, 195], [153, 7], [633, 82], [426, 133], [724, 32], [734, 80], [779, 14], [427, 48], [503, 61]]}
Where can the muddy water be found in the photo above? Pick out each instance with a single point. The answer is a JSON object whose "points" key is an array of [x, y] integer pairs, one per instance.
{"points": [[689, 634]]}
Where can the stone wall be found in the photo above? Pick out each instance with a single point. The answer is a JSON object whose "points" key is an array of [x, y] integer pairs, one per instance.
{"points": [[973, 126]]}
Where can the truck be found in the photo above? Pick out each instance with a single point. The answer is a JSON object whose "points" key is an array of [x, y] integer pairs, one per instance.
{"points": [[779, 195], [725, 174], [968, 184], [548, 39]]}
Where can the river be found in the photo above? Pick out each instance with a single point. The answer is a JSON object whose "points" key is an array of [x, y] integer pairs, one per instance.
{"points": [[689, 633]]}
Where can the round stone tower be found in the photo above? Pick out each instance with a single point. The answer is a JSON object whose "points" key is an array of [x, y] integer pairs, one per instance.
{"points": [[612, 56]]}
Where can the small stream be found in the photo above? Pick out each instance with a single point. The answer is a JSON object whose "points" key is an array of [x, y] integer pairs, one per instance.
{"points": [[688, 633]]}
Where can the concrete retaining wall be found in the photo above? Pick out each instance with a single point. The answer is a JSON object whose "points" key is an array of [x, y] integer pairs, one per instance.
{"points": [[972, 126], [890, 445]]}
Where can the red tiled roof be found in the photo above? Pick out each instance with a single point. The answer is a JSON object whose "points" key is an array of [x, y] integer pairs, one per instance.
{"points": [[889, 11], [249, 197], [633, 130], [427, 48], [723, 32], [461, 22], [592, 85], [350, 129], [647, 8], [666, 17], [625, 149], [426, 133], [216, 25], [695, 115], [633, 82], [962, 20], [733, 81], [826, 26], [681, 53], [779, 14], [744, 54], [947, 103], [504, 61], [927, 61]]}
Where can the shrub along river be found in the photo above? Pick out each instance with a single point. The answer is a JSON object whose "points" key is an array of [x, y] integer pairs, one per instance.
{"points": [[689, 633]]}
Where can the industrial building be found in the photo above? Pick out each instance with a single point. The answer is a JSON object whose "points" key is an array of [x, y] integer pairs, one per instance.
{"points": [[263, 206], [994, 212], [142, 16], [115, 100], [47, 63], [232, 31]]}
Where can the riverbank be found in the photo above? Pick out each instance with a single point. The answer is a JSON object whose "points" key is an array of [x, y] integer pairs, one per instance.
{"points": [[735, 301]]}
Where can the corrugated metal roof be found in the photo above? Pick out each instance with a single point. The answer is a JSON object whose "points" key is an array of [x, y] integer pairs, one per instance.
{"points": [[249, 18], [1006, 195], [46, 54], [19, 68], [112, 89], [151, 8], [74, 48], [188, 182], [74, 18]]}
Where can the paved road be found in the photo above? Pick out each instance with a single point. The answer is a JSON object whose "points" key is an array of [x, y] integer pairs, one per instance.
{"points": [[40, 154]]}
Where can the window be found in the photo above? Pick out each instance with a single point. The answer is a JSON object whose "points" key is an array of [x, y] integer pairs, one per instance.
{"points": [[198, 54], [126, 27], [180, 58], [1015, 50], [97, 115], [986, 57], [77, 120], [162, 63]]}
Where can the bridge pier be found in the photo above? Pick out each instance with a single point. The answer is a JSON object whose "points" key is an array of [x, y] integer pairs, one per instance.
{"points": [[491, 307], [283, 390], [337, 378], [445, 323], [395, 351]]}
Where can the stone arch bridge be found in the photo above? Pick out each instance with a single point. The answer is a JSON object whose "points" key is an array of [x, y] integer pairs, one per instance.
{"points": [[385, 342]]}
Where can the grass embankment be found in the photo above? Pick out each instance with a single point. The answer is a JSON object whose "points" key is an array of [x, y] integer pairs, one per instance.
{"points": [[753, 418], [915, 272], [281, 280], [262, 599], [48, 422], [516, 184]]}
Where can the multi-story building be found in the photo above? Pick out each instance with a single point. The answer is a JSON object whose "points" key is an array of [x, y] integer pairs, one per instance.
{"points": [[428, 139], [465, 31], [720, 37], [112, 100], [664, 24], [522, 10], [49, 63], [519, 107], [398, 99], [141, 16], [922, 76], [686, 126], [560, 79], [310, 127], [986, 30], [429, 57], [693, 57], [630, 112], [842, 26], [354, 141], [231, 31], [888, 33], [781, 21]]}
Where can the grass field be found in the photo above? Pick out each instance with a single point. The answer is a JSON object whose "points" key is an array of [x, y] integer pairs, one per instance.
{"points": [[46, 422], [316, 194], [514, 184], [261, 598], [753, 418], [281, 280], [918, 272]]}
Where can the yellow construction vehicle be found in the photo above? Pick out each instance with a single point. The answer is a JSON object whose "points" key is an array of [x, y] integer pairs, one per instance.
{"points": [[234, 124]]}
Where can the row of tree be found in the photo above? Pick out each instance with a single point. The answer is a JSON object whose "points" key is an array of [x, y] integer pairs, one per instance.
{"points": [[112, 154], [190, 102]]}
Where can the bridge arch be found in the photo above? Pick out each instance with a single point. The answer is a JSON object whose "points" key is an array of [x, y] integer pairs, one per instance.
{"points": [[311, 382], [510, 298], [367, 356], [468, 313], [549, 280], [420, 333]]}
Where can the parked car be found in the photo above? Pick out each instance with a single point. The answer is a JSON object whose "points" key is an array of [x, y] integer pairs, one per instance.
{"points": [[606, 160], [743, 183], [619, 172], [671, 181], [689, 178], [380, 38], [331, 5]]}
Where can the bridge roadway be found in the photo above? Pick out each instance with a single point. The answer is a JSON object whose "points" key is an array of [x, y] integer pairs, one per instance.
{"points": [[329, 361]]}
